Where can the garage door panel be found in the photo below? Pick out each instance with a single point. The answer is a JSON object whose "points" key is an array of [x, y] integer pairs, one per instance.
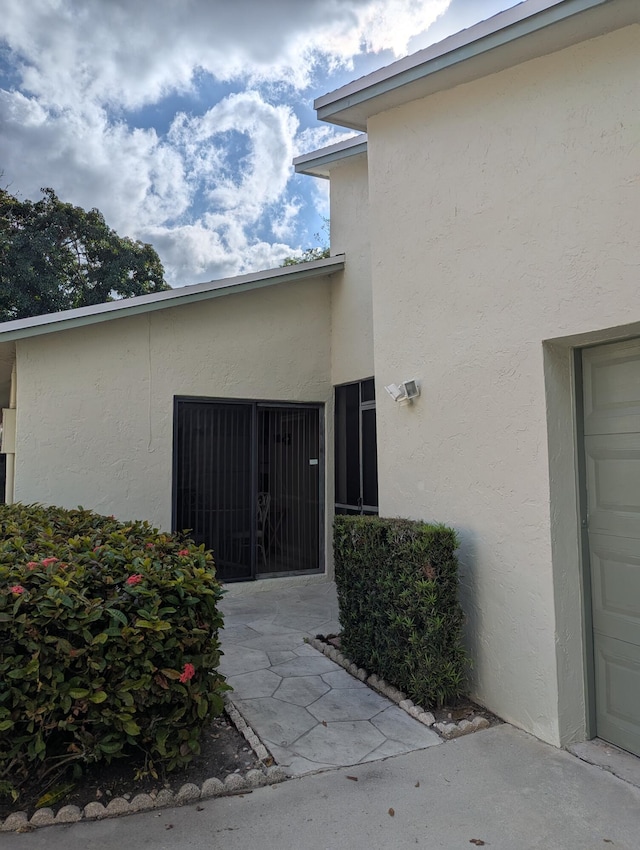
{"points": [[615, 587], [617, 668], [612, 388], [611, 396], [613, 483]]}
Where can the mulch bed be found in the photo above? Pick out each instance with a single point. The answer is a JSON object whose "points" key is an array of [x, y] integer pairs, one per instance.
{"points": [[224, 751]]}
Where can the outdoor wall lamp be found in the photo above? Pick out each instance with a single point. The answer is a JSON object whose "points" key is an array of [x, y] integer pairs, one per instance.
{"points": [[405, 392]]}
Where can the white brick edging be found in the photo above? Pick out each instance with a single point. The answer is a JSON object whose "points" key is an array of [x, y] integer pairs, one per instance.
{"points": [[445, 730], [234, 783]]}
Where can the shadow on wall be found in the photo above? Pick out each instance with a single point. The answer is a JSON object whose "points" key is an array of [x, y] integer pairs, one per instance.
{"points": [[469, 600]]}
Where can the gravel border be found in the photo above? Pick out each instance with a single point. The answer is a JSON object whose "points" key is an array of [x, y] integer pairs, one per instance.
{"points": [[447, 731], [234, 783]]}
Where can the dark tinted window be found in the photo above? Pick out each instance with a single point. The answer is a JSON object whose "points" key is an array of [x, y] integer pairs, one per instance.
{"points": [[356, 471]]}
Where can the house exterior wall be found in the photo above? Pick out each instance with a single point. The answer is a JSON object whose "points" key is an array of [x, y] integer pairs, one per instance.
{"points": [[95, 404], [504, 214], [351, 301]]}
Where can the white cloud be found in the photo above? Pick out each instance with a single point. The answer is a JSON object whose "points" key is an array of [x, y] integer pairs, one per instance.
{"points": [[197, 252], [282, 225], [129, 54], [129, 173], [202, 191], [263, 172]]}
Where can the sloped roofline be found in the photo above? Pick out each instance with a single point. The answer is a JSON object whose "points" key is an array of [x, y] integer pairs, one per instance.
{"points": [[530, 29], [82, 316], [318, 163]]}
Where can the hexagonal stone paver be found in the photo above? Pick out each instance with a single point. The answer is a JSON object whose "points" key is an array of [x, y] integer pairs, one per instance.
{"points": [[389, 748], [397, 725], [306, 666], [280, 657], [294, 765], [341, 679], [303, 623], [348, 704], [243, 612], [274, 643], [330, 627], [268, 627], [275, 720], [339, 743], [305, 649], [238, 659], [237, 634], [301, 690], [259, 683]]}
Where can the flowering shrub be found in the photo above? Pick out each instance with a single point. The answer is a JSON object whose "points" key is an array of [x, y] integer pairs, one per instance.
{"points": [[108, 642]]}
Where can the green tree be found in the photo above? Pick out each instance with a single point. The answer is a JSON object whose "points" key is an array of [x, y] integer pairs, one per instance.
{"points": [[54, 256]]}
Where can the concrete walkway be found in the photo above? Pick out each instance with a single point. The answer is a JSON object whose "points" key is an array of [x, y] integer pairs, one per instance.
{"points": [[499, 786], [309, 712]]}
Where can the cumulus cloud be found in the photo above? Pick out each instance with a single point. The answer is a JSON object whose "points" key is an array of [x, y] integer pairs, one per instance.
{"points": [[204, 188], [91, 159], [130, 54], [263, 171]]}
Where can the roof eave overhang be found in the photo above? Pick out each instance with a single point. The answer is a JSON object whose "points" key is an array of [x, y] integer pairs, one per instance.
{"points": [[526, 31], [319, 163], [84, 316]]}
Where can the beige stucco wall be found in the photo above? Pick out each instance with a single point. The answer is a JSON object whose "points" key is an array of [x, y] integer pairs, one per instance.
{"points": [[95, 405], [351, 302], [506, 213]]}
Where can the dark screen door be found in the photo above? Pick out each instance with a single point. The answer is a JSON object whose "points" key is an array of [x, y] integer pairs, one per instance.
{"points": [[247, 484], [213, 480], [289, 477]]}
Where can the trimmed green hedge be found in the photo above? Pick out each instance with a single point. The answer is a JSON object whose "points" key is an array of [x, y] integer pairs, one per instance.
{"points": [[108, 642], [398, 594]]}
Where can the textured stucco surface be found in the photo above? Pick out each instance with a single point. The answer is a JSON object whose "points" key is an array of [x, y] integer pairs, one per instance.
{"points": [[505, 213], [95, 409], [351, 300]]}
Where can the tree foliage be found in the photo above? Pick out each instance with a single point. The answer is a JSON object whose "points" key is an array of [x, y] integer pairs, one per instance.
{"points": [[319, 253], [55, 256], [306, 256]]}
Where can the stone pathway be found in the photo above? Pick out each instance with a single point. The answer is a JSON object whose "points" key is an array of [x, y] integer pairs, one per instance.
{"points": [[310, 713]]}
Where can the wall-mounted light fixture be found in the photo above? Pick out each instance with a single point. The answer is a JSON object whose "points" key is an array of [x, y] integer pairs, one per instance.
{"points": [[405, 392]]}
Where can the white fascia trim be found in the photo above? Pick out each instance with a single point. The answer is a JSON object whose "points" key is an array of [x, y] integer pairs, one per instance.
{"points": [[54, 322], [350, 105], [317, 162]]}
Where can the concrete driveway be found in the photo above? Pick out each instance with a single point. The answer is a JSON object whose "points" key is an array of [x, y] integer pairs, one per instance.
{"points": [[499, 786]]}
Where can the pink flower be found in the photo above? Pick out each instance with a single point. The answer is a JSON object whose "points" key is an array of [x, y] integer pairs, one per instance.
{"points": [[188, 673], [18, 589], [46, 562], [183, 552], [32, 565], [149, 545], [136, 578]]}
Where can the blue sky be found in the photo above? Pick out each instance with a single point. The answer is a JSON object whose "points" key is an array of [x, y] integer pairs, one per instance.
{"points": [[179, 119]]}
